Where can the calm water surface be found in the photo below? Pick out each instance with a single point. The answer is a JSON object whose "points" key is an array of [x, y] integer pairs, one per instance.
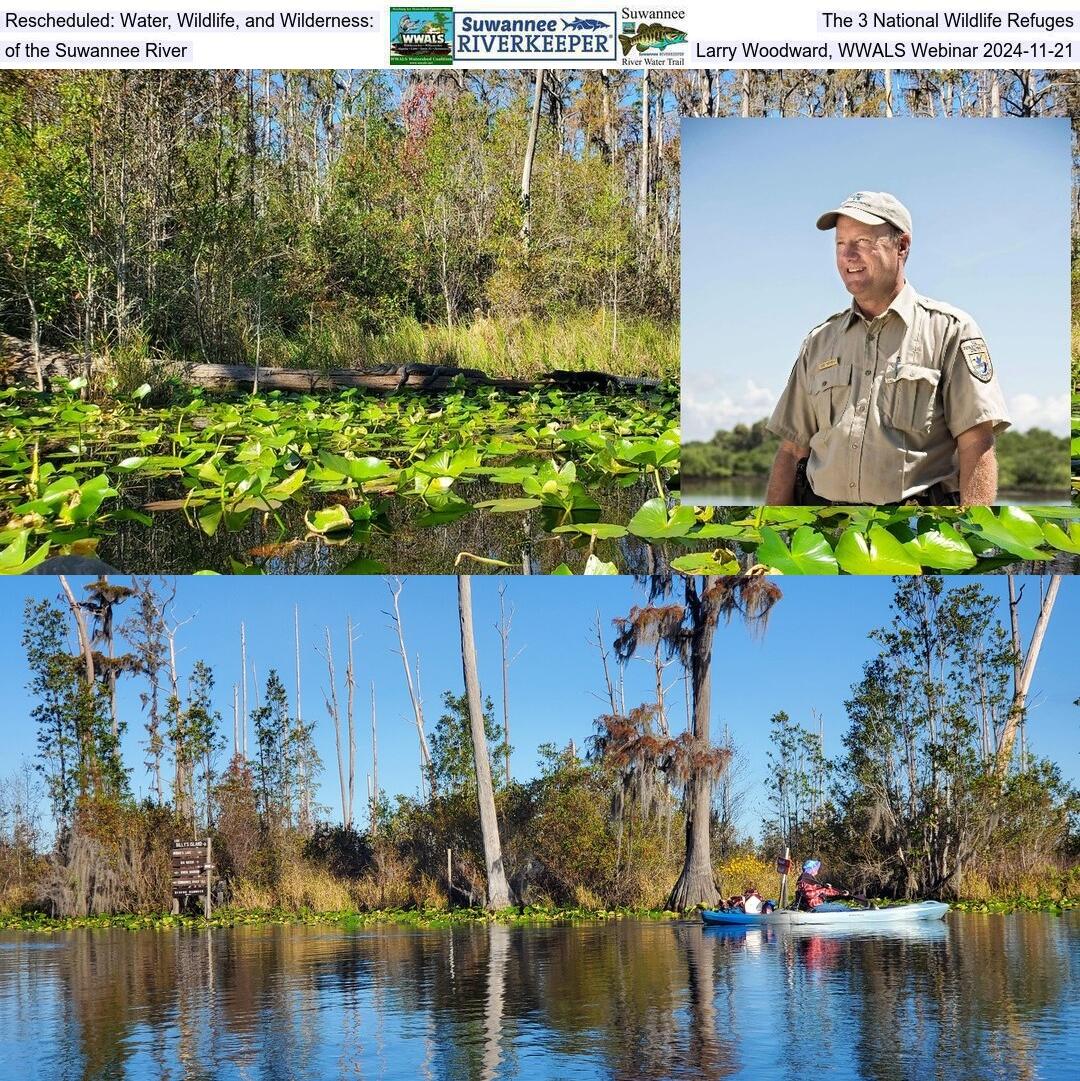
{"points": [[970, 998]]}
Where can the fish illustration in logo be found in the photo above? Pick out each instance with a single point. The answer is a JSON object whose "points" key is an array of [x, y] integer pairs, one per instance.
{"points": [[584, 24], [651, 36]]}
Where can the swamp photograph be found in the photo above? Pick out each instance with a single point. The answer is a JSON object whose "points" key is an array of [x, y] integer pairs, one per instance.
{"points": [[336, 321], [366, 321], [445, 844]]}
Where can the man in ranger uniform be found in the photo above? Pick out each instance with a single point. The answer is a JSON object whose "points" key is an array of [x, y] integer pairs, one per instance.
{"points": [[893, 400]]}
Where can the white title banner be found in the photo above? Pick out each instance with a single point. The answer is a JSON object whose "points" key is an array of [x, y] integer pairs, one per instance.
{"points": [[695, 34]]}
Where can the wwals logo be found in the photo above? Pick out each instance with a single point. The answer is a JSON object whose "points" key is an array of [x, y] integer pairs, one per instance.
{"points": [[421, 36]]}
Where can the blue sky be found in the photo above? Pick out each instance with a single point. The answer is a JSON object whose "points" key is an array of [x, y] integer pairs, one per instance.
{"points": [[807, 661], [990, 202]]}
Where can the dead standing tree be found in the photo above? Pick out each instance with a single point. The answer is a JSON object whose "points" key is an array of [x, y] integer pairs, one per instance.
{"points": [[330, 697], [426, 773], [498, 891], [687, 630], [1024, 669]]}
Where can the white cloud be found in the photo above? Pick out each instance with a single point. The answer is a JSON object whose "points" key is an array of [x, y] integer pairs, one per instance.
{"points": [[1031, 411], [708, 406]]}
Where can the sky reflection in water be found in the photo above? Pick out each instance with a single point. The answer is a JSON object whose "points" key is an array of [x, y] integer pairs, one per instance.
{"points": [[974, 997]]}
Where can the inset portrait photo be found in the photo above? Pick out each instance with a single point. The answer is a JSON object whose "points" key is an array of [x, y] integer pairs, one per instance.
{"points": [[875, 311]]}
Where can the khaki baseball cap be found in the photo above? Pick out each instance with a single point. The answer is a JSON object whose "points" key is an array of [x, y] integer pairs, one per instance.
{"points": [[871, 208]]}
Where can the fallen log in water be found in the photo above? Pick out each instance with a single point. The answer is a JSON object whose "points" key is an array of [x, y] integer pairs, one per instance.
{"points": [[17, 366]]}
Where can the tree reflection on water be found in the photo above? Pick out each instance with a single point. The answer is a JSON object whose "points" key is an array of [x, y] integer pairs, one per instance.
{"points": [[977, 996]]}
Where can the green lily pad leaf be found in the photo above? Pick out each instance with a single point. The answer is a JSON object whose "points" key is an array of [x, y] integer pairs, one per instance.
{"points": [[942, 549], [594, 565], [15, 552], [1013, 530], [39, 555], [562, 569], [89, 498], [210, 518], [653, 522], [330, 519], [236, 567], [359, 469], [128, 464], [1059, 513], [141, 392], [507, 474], [706, 563], [360, 565], [597, 530], [1067, 542], [77, 383], [444, 508], [129, 514], [876, 552], [810, 552], [713, 530], [508, 506], [287, 487]]}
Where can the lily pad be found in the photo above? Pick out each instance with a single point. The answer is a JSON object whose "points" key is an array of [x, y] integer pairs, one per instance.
{"points": [[332, 519], [810, 552], [875, 552], [654, 522]]}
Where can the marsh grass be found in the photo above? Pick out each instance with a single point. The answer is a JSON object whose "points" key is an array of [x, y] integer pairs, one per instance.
{"points": [[521, 348]]}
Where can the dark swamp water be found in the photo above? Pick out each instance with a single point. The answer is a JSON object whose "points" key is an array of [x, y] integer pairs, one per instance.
{"points": [[970, 998], [522, 540]]}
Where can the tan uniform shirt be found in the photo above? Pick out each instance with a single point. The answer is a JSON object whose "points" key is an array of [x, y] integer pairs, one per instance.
{"points": [[880, 402]]}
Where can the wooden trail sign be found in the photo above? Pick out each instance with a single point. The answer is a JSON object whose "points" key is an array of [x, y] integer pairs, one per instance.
{"points": [[192, 871]]}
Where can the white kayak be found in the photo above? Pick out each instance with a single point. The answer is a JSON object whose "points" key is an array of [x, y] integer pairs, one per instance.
{"points": [[830, 915]]}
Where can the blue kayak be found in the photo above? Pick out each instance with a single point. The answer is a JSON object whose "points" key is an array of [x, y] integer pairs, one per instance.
{"points": [[831, 915]]}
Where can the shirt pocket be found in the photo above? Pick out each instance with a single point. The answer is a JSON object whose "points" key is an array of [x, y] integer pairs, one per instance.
{"points": [[830, 392], [911, 396]]}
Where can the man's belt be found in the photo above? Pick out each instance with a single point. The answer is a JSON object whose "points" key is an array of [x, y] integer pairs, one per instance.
{"points": [[805, 496]]}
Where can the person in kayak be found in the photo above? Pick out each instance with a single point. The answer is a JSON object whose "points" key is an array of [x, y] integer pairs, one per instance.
{"points": [[809, 892], [748, 901], [752, 901]]}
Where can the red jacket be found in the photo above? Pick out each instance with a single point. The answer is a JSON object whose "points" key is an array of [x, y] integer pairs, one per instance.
{"points": [[810, 893]]}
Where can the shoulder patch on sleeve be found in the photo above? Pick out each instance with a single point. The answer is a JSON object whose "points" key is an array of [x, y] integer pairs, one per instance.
{"points": [[977, 358]]}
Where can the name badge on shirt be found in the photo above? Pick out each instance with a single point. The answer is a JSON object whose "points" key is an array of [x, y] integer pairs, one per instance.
{"points": [[830, 363]]}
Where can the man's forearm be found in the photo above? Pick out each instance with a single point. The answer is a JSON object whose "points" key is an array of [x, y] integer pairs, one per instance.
{"points": [[978, 467], [781, 489]]}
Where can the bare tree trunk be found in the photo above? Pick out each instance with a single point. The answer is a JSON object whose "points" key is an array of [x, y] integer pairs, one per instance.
{"points": [[603, 660], [888, 92], [1027, 672], [527, 165], [350, 683], [643, 176], [243, 668], [85, 646], [498, 891], [35, 341], [335, 715], [374, 767], [414, 692], [304, 810], [503, 627]]}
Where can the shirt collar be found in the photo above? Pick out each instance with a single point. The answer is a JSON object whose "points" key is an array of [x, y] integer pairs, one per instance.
{"points": [[903, 304]]}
